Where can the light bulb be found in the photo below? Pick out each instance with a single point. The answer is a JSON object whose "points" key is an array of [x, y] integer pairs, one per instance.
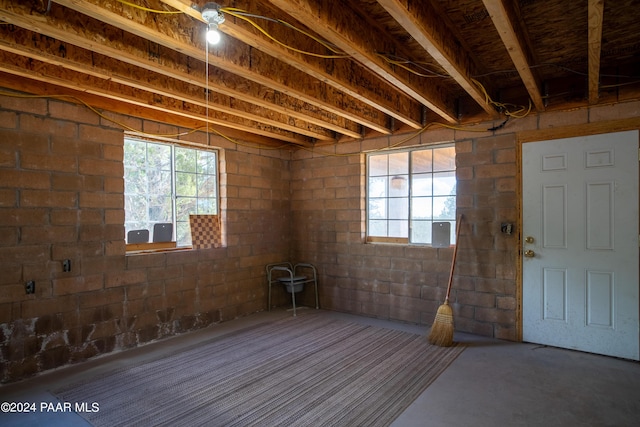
{"points": [[213, 35]]}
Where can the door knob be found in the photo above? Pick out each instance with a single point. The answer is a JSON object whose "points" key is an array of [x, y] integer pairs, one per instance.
{"points": [[529, 253], [529, 239]]}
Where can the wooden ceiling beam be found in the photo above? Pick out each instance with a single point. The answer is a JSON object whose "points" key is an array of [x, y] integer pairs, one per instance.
{"points": [[595, 13], [77, 30], [26, 43], [361, 41], [83, 82], [109, 109], [508, 25], [422, 22], [341, 73], [178, 32], [186, 7]]}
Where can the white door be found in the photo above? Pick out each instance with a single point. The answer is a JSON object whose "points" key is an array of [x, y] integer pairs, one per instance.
{"points": [[580, 244]]}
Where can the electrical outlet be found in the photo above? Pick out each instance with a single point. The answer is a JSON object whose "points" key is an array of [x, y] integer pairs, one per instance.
{"points": [[66, 265], [30, 287]]}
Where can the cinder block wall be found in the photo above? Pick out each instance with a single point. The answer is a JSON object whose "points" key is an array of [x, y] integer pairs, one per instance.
{"points": [[61, 197], [408, 283], [484, 295]]}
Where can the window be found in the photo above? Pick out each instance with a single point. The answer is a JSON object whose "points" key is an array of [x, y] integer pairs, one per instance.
{"points": [[407, 191], [165, 183]]}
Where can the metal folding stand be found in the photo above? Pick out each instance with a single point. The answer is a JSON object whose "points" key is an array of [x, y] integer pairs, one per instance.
{"points": [[293, 281]]}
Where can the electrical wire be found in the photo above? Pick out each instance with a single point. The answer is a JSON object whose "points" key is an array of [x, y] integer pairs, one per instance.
{"points": [[245, 16], [208, 128], [146, 9], [505, 108], [619, 84], [124, 126], [390, 58], [562, 67], [509, 110], [402, 141], [500, 126], [402, 63], [256, 145], [71, 98], [399, 62]]}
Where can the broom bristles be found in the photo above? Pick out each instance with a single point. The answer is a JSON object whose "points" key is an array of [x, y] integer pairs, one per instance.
{"points": [[442, 329]]}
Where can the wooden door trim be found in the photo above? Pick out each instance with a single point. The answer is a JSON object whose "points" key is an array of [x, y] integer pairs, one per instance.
{"points": [[586, 129]]}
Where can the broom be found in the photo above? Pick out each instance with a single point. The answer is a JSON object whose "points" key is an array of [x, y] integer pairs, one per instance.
{"points": [[442, 329]]}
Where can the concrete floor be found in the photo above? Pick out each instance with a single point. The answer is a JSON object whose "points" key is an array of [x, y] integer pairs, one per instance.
{"points": [[492, 383]]}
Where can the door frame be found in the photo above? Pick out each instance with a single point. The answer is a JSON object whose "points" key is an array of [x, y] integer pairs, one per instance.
{"points": [[541, 135]]}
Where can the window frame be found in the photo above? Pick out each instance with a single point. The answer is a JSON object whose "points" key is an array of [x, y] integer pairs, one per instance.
{"points": [[410, 174], [174, 197]]}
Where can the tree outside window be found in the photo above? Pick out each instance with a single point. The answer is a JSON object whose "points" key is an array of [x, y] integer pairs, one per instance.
{"points": [[166, 183]]}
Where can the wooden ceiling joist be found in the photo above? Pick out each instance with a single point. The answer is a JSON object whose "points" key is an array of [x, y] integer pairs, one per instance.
{"points": [[106, 107], [511, 33], [137, 52], [363, 43], [340, 73], [77, 59], [240, 60], [85, 83], [596, 18], [319, 72], [424, 25], [186, 7]]}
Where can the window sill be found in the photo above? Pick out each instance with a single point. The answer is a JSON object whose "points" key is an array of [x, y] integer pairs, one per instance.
{"points": [[148, 246], [392, 240], [143, 248], [402, 241]]}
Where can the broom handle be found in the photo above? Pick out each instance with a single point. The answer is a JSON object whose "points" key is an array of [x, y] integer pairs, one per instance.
{"points": [[453, 260]]}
